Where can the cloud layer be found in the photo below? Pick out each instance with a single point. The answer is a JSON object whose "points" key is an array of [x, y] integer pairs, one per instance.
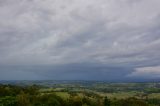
{"points": [[78, 39], [149, 72]]}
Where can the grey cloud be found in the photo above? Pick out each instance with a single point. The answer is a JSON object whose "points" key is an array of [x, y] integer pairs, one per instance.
{"points": [[113, 33], [81, 71]]}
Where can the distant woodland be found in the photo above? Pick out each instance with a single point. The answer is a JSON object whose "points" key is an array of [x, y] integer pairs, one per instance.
{"points": [[34, 95]]}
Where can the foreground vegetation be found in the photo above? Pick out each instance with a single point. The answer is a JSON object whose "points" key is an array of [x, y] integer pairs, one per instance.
{"points": [[80, 94]]}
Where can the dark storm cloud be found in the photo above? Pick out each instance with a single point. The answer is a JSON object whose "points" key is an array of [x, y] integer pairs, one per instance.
{"points": [[83, 71], [79, 39]]}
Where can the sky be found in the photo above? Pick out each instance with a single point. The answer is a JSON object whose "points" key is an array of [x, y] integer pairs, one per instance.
{"points": [[111, 40]]}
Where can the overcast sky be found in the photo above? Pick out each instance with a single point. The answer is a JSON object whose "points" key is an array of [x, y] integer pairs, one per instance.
{"points": [[80, 39]]}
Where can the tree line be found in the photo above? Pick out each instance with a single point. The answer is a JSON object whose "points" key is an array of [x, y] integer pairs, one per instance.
{"points": [[11, 95]]}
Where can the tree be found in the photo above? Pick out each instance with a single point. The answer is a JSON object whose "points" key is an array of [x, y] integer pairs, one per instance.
{"points": [[23, 99], [107, 102]]}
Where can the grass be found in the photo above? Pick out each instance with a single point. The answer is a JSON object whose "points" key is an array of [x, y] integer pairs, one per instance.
{"points": [[154, 95], [64, 95]]}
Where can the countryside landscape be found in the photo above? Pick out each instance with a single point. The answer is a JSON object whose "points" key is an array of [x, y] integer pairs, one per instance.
{"points": [[79, 52], [78, 93]]}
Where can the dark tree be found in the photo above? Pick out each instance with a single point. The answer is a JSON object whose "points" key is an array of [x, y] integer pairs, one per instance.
{"points": [[107, 102]]}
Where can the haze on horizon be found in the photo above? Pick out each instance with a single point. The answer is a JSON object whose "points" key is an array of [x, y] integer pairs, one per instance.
{"points": [[112, 40]]}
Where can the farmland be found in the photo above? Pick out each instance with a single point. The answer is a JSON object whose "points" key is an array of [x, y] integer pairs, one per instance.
{"points": [[78, 93]]}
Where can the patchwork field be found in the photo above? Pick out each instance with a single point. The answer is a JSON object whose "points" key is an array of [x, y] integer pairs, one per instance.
{"points": [[79, 93]]}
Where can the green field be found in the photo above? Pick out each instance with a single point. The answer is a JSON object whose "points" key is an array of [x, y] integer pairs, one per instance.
{"points": [[82, 93]]}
